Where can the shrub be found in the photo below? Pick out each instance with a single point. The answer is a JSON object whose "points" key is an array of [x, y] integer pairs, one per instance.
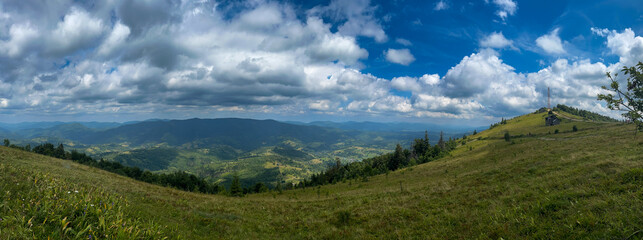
{"points": [[507, 137], [574, 128], [556, 131]]}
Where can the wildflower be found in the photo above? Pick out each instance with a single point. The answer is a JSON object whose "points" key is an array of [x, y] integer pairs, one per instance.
{"points": [[91, 205], [68, 192], [76, 191]]}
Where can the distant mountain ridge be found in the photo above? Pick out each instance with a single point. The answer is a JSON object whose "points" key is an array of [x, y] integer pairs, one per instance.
{"points": [[238, 133], [44, 125], [391, 126]]}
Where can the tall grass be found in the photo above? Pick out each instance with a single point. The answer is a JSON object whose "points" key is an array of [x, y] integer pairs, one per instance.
{"points": [[39, 206]]}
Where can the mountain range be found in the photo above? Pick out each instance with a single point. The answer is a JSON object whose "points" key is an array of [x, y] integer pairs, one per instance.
{"points": [[258, 150]]}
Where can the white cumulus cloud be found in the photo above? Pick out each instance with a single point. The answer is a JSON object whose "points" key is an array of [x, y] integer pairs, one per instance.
{"points": [[625, 44], [551, 43], [505, 8], [496, 40], [399, 56], [77, 30]]}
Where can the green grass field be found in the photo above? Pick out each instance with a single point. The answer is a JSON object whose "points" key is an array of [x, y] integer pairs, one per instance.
{"points": [[569, 185]]}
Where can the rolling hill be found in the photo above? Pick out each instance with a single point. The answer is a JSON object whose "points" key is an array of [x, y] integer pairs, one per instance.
{"points": [[258, 150], [542, 184]]}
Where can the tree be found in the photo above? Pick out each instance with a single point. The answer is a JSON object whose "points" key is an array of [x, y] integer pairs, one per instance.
{"points": [[629, 100], [278, 187], [235, 186], [574, 128], [420, 146], [441, 141], [397, 159], [260, 187], [507, 137], [60, 151], [475, 132], [6, 142]]}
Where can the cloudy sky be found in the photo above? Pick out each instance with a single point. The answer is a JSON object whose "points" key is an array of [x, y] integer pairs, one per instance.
{"points": [[458, 62]]}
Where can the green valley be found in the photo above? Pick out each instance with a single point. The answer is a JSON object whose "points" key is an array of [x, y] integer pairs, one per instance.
{"points": [[542, 183], [257, 150]]}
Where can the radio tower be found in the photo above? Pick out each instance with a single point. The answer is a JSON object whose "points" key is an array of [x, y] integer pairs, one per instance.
{"points": [[548, 99]]}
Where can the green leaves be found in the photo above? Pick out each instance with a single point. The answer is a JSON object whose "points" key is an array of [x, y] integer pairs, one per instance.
{"points": [[630, 100]]}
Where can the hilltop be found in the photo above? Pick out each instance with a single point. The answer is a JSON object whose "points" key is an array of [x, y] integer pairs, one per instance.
{"points": [[545, 182]]}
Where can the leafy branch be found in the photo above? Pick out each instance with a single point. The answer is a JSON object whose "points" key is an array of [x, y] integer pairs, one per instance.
{"points": [[629, 100]]}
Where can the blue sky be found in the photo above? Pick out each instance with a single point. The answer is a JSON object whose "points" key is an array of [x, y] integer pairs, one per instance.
{"points": [[452, 62]]}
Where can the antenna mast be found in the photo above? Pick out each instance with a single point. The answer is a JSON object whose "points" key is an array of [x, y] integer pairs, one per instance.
{"points": [[548, 99]]}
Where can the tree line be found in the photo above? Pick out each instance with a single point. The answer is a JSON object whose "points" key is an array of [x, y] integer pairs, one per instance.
{"points": [[420, 151], [584, 113]]}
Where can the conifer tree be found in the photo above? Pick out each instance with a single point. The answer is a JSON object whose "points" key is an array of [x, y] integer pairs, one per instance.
{"points": [[397, 159], [235, 186], [441, 141], [60, 151]]}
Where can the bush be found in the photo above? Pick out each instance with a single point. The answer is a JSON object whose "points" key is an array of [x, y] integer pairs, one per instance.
{"points": [[574, 128], [507, 137], [556, 131]]}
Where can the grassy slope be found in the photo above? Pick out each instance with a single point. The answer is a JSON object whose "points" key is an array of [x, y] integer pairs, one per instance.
{"points": [[567, 185]]}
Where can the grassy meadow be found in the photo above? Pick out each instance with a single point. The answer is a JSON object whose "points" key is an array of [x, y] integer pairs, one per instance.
{"points": [[540, 184]]}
